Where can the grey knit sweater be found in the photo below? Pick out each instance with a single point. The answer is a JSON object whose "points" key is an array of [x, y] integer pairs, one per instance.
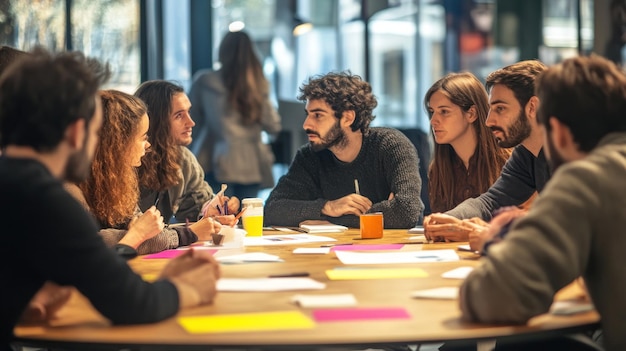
{"points": [[387, 163]]}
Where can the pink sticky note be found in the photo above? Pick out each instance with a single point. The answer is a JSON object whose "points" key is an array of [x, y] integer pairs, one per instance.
{"points": [[166, 254], [171, 253], [368, 247], [355, 314]]}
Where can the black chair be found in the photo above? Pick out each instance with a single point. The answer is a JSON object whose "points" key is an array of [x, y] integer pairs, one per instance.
{"points": [[281, 147], [420, 141]]}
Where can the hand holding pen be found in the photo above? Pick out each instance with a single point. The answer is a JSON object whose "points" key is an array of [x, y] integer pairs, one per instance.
{"points": [[220, 204]]}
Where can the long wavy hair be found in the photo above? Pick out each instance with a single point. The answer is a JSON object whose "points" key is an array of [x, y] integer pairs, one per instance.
{"points": [[159, 168], [465, 91], [242, 75], [112, 189]]}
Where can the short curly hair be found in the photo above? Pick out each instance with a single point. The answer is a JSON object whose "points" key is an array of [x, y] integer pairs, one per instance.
{"points": [[343, 91]]}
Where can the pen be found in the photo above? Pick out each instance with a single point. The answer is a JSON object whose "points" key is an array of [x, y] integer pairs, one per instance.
{"points": [[289, 275], [240, 213], [331, 245], [226, 207], [356, 186]]}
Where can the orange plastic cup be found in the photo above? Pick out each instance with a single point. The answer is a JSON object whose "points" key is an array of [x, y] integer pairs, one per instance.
{"points": [[372, 225]]}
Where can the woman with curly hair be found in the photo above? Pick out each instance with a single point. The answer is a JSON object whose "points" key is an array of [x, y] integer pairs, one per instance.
{"points": [[466, 159], [231, 107], [111, 192]]}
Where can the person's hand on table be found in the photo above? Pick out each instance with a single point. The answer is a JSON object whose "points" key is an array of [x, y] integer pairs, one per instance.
{"points": [[46, 302], [443, 227], [194, 274], [350, 204], [143, 227], [479, 233], [205, 227], [497, 228]]}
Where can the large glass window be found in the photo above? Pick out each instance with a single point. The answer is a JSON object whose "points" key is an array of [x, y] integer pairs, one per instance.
{"points": [[27, 24], [109, 30], [106, 29], [176, 40], [561, 21]]}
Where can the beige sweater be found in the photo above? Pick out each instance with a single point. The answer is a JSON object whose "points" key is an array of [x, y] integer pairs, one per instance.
{"points": [[577, 226]]}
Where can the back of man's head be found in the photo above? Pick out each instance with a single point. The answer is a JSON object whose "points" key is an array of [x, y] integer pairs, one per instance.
{"points": [[8, 56], [587, 94], [43, 93], [519, 77]]}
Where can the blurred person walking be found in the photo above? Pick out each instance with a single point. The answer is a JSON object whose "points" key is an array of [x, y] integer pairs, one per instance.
{"points": [[231, 108]]}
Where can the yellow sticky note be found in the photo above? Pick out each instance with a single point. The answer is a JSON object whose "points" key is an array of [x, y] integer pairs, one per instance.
{"points": [[149, 277], [246, 322], [375, 273]]}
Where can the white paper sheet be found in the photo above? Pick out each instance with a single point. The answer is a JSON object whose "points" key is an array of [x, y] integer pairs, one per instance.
{"points": [[443, 293], [351, 257], [292, 239], [416, 230], [249, 257], [268, 284], [312, 250], [458, 273], [330, 300], [566, 308]]}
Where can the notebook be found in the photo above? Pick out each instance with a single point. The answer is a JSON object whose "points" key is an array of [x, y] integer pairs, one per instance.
{"points": [[320, 226]]}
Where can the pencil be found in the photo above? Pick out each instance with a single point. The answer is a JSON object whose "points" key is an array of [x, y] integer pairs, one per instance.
{"points": [[356, 186]]}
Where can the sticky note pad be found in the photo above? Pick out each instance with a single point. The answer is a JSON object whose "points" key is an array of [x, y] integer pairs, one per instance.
{"points": [[246, 322], [173, 253], [375, 273], [166, 254], [150, 277], [359, 314]]}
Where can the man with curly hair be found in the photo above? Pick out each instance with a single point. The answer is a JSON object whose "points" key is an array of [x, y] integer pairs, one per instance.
{"points": [[348, 168]]}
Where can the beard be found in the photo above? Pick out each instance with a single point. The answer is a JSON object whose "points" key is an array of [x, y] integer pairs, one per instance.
{"points": [[517, 132], [334, 137], [555, 160], [78, 167]]}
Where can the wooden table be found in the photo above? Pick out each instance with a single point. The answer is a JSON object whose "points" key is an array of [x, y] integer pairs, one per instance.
{"points": [[80, 326]]}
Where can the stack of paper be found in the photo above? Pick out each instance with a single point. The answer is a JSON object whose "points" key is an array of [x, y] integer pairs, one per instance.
{"points": [[323, 228]]}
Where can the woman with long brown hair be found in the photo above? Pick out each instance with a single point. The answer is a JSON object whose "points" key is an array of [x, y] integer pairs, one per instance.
{"points": [[231, 108], [466, 159], [111, 192]]}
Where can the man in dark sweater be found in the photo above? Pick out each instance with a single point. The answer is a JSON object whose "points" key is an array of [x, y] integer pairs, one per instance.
{"points": [[50, 116], [513, 120], [348, 168]]}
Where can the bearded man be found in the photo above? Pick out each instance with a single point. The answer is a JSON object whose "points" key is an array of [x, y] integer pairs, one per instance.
{"points": [[347, 168], [513, 120]]}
